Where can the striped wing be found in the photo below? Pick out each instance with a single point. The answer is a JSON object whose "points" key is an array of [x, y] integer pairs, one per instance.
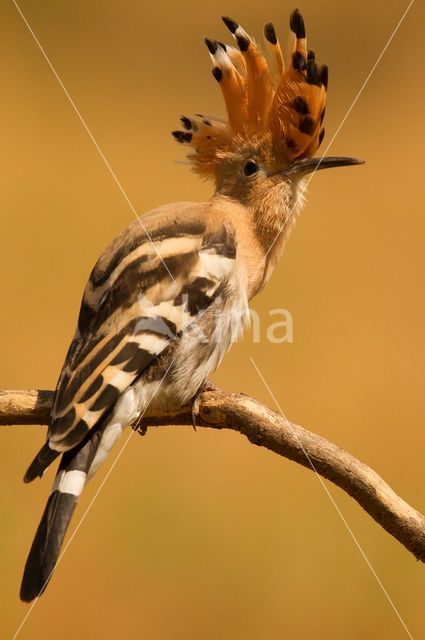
{"points": [[140, 296]]}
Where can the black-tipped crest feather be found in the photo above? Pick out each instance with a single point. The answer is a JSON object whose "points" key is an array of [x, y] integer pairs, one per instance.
{"points": [[296, 23], [270, 33], [230, 24]]}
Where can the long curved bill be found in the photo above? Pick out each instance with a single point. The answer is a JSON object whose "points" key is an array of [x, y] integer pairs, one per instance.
{"points": [[311, 165]]}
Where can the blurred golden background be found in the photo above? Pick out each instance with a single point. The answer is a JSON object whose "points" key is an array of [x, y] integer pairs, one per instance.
{"points": [[202, 535]]}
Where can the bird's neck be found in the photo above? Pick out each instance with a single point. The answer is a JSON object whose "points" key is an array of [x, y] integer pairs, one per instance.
{"points": [[273, 217], [271, 229], [262, 226]]}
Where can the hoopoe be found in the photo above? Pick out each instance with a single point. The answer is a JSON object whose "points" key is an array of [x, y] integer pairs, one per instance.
{"points": [[147, 336]]}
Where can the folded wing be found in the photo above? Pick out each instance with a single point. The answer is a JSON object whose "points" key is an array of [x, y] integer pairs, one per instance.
{"points": [[145, 290]]}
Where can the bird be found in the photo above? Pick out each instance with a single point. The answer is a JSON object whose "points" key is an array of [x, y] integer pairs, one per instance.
{"points": [[170, 294]]}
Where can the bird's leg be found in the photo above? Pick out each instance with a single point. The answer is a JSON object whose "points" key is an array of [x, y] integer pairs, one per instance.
{"points": [[194, 407], [196, 400]]}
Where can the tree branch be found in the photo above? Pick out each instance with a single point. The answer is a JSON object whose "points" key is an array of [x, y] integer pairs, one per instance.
{"points": [[264, 427]]}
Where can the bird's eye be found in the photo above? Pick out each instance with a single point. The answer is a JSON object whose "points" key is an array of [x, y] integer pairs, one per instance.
{"points": [[250, 168]]}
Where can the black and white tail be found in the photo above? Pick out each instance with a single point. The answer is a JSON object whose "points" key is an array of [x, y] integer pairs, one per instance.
{"points": [[70, 480]]}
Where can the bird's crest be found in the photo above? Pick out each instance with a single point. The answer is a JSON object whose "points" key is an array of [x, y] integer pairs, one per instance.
{"points": [[286, 105]]}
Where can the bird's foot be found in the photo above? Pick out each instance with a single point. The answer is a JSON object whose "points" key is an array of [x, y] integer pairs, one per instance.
{"points": [[194, 409], [196, 401], [139, 426]]}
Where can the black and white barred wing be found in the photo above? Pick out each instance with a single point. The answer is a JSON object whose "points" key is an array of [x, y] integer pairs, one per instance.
{"points": [[138, 301]]}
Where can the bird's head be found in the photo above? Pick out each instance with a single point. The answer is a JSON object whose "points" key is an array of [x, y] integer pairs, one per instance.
{"points": [[263, 151]]}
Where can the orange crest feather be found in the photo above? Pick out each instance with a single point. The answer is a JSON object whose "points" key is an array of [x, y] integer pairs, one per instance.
{"points": [[286, 106]]}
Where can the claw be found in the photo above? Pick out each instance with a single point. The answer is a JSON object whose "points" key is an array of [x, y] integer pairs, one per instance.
{"points": [[194, 410], [139, 427]]}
